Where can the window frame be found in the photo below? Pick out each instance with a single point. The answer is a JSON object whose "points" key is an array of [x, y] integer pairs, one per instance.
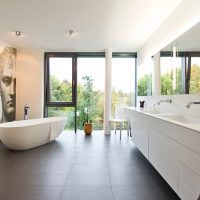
{"points": [[48, 102]]}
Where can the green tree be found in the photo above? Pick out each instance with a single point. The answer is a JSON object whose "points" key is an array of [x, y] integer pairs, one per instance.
{"points": [[167, 83], [87, 98], [145, 85], [195, 79], [60, 90], [86, 101]]}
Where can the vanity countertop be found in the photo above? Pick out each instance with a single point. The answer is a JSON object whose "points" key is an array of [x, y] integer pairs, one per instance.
{"points": [[193, 126]]}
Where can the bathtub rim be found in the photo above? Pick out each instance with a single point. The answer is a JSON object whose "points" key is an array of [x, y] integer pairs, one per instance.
{"points": [[31, 122]]}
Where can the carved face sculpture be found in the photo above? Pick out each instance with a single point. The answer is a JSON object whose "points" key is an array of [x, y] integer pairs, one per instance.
{"points": [[8, 84]]}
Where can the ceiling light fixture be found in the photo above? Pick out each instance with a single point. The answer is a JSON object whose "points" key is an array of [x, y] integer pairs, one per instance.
{"points": [[71, 32], [18, 33]]}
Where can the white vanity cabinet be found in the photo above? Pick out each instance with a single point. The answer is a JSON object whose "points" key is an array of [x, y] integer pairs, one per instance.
{"points": [[139, 130], [172, 148], [163, 155]]}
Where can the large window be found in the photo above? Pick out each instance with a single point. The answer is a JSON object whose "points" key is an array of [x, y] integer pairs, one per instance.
{"points": [[123, 81], [74, 86]]}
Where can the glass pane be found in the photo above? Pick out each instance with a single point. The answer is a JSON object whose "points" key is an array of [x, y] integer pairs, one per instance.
{"points": [[90, 91], [195, 75], [123, 82], [171, 75], [68, 112], [60, 72], [144, 79]]}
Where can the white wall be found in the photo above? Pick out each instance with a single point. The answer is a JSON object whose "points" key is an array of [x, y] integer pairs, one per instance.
{"points": [[29, 78], [4, 44]]}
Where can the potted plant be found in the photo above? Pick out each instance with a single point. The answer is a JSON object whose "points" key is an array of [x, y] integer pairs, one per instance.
{"points": [[87, 124], [87, 106]]}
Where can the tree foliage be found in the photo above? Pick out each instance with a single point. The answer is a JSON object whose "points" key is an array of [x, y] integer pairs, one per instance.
{"points": [[86, 102], [87, 98], [145, 85], [195, 79], [60, 90], [167, 83]]}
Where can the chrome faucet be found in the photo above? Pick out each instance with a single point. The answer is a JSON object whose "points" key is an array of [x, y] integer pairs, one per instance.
{"points": [[26, 112], [166, 100], [192, 102]]}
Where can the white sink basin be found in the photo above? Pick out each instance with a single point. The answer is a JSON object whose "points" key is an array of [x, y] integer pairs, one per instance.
{"points": [[181, 118], [156, 112]]}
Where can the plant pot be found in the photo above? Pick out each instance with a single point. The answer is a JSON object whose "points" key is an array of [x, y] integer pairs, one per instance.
{"points": [[87, 128]]}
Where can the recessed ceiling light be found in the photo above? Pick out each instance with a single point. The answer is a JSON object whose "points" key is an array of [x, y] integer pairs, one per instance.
{"points": [[71, 33], [18, 33]]}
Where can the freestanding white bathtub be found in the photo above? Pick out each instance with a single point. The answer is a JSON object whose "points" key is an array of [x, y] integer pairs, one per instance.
{"points": [[26, 134]]}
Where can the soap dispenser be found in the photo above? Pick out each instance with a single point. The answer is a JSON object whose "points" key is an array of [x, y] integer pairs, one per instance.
{"points": [[142, 104]]}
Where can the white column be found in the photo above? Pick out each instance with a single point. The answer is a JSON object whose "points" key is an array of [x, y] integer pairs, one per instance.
{"points": [[108, 90], [156, 75]]}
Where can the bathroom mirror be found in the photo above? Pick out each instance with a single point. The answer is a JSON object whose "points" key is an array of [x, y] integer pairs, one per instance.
{"points": [[180, 64]]}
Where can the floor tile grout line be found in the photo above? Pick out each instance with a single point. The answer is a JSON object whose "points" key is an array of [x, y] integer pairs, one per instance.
{"points": [[110, 178], [67, 179]]}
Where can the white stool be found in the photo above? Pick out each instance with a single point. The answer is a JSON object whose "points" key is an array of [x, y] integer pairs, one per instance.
{"points": [[120, 118], [121, 124]]}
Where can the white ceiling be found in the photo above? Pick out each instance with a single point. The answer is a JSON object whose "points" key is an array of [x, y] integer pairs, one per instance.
{"points": [[123, 25]]}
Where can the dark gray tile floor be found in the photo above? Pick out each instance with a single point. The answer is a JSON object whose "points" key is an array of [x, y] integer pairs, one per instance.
{"points": [[78, 167]]}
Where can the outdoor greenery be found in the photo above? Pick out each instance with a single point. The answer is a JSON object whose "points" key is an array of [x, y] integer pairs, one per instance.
{"points": [[59, 89], [167, 83], [88, 100], [195, 80], [145, 83]]}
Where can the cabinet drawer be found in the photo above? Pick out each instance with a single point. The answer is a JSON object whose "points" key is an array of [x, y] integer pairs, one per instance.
{"points": [[139, 118], [190, 159], [190, 138], [169, 129], [189, 184]]}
